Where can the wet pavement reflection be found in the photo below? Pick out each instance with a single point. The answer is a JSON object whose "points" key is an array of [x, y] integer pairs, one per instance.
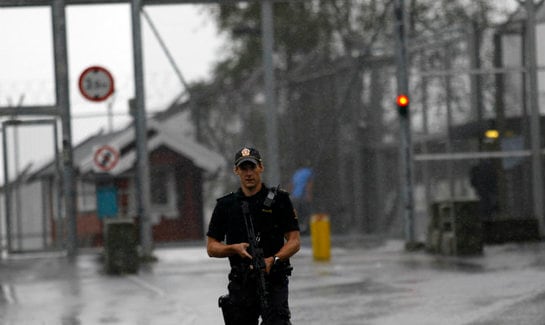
{"points": [[377, 283]]}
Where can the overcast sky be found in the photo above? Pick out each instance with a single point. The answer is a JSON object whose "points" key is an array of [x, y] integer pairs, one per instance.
{"points": [[101, 35]]}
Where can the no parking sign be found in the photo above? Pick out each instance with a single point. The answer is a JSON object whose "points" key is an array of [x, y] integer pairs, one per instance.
{"points": [[105, 158]]}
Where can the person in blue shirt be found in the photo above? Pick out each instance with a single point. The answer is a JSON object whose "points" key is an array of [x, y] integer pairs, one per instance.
{"points": [[301, 188]]}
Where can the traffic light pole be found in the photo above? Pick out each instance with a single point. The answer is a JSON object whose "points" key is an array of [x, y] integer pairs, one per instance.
{"points": [[405, 147]]}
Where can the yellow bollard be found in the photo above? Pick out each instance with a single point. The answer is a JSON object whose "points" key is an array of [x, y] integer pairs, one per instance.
{"points": [[320, 237]]}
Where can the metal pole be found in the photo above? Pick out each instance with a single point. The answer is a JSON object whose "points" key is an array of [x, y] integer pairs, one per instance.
{"points": [[63, 104], [267, 24], [58, 181], [450, 124], [140, 128], [7, 188], [425, 130], [110, 112], [166, 50], [474, 42], [17, 183], [361, 222], [405, 125], [535, 131], [2, 226], [17, 163]]}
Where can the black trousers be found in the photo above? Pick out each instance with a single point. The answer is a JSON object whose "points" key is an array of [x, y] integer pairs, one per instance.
{"points": [[244, 303]]}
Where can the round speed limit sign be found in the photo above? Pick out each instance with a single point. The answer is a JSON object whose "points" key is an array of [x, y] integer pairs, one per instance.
{"points": [[96, 83]]}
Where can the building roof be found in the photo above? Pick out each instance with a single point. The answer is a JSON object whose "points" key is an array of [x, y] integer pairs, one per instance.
{"points": [[158, 135], [124, 140], [47, 167]]}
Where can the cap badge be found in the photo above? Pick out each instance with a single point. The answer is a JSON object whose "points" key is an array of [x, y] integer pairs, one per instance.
{"points": [[245, 152]]}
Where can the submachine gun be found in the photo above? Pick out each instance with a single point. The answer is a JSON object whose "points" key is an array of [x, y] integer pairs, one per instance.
{"points": [[258, 259], [257, 263]]}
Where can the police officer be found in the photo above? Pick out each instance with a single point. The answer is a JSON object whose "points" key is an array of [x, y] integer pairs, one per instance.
{"points": [[277, 233]]}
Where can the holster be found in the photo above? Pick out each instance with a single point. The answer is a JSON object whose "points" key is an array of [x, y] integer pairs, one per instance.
{"points": [[227, 310], [283, 268]]}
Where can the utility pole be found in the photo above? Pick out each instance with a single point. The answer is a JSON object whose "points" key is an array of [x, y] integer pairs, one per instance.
{"points": [[405, 125], [267, 25], [140, 129], [63, 107]]}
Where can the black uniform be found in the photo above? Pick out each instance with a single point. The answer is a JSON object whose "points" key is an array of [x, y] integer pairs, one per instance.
{"points": [[270, 225]]}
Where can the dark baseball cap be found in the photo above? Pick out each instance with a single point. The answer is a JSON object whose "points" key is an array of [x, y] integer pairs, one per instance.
{"points": [[247, 154]]}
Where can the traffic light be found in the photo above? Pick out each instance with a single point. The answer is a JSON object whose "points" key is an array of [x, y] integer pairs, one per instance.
{"points": [[402, 104], [492, 134]]}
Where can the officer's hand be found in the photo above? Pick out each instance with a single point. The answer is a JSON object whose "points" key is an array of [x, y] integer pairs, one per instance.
{"points": [[269, 261], [241, 250]]}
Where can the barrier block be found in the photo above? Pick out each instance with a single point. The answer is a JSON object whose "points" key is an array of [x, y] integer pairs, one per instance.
{"points": [[120, 247]]}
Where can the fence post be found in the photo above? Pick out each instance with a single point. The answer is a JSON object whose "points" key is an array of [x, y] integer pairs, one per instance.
{"points": [[531, 77]]}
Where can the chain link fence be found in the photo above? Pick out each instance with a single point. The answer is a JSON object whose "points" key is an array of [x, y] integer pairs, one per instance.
{"points": [[339, 114]]}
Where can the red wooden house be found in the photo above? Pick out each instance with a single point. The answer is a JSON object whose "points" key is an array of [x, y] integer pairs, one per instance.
{"points": [[178, 167]]}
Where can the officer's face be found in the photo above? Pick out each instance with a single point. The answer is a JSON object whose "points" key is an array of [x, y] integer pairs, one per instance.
{"points": [[249, 174]]}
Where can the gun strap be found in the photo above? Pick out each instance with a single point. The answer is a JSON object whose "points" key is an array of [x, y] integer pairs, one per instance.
{"points": [[247, 217]]}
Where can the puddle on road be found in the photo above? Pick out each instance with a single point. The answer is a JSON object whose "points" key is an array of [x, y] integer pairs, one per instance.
{"points": [[444, 264], [365, 287]]}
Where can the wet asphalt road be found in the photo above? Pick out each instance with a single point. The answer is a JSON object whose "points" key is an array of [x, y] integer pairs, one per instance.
{"points": [[368, 281]]}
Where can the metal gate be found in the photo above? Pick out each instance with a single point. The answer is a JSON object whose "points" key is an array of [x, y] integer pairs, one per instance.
{"points": [[35, 227]]}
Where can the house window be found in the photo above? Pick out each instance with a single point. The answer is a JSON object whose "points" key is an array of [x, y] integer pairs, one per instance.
{"points": [[159, 185], [163, 192], [87, 200]]}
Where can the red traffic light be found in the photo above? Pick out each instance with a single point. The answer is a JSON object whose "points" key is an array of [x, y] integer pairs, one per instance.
{"points": [[402, 100], [403, 105]]}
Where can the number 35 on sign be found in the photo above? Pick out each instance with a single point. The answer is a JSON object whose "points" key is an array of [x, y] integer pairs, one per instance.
{"points": [[96, 83]]}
